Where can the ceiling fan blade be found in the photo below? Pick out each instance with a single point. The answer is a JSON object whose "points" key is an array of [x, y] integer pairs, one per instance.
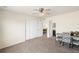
{"points": [[35, 9], [35, 13], [47, 9]]}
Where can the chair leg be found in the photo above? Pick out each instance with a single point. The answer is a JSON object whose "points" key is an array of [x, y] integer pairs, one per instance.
{"points": [[72, 45], [62, 43], [69, 45]]}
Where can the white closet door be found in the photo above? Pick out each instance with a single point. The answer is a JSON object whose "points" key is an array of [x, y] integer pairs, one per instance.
{"points": [[39, 28], [27, 28], [33, 28]]}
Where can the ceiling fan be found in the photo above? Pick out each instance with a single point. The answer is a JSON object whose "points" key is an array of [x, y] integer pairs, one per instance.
{"points": [[41, 11]]}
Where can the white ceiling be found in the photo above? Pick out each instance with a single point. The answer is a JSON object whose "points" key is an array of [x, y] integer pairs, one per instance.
{"points": [[54, 10]]}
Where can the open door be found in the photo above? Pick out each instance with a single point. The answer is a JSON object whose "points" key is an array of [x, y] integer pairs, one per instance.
{"points": [[54, 29], [54, 32]]}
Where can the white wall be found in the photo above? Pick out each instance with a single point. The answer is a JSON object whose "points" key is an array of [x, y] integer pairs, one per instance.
{"points": [[0, 26], [47, 23], [67, 22], [64, 23], [12, 28]]}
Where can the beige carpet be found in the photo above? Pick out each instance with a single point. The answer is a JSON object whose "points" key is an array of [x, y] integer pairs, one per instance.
{"points": [[39, 45]]}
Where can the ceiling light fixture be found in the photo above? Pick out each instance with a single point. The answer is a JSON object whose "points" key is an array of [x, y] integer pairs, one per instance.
{"points": [[42, 11]]}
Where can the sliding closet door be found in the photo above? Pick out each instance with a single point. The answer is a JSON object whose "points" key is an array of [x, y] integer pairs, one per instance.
{"points": [[27, 28], [33, 28]]}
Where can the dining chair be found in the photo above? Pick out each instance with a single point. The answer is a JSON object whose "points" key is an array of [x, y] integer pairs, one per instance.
{"points": [[59, 37], [66, 38], [75, 41]]}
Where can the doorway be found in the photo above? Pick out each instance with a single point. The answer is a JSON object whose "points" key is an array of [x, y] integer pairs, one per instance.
{"points": [[54, 32], [54, 29], [44, 31]]}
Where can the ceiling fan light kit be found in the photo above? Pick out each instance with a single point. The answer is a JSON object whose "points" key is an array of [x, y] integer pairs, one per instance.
{"points": [[42, 11]]}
